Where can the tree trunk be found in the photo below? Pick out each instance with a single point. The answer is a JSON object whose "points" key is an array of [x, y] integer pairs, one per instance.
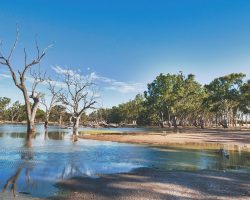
{"points": [[174, 122], [60, 120], [30, 122], [31, 129], [216, 119], [202, 123], [162, 120], [169, 121], [76, 121], [76, 125], [46, 124]]}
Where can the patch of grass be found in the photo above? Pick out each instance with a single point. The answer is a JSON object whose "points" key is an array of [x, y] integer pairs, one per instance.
{"points": [[99, 132]]}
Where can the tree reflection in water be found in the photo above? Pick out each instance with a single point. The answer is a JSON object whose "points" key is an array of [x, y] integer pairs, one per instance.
{"points": [[59, 158], [26, 156], [26, 165]]}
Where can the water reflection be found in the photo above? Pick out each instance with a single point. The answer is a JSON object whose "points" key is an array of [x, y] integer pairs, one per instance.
{"points": [[25, 156], [55, 135], [34, 165]]}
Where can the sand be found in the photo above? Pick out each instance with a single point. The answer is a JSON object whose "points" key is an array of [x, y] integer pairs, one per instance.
{"points": [[186, 137]]}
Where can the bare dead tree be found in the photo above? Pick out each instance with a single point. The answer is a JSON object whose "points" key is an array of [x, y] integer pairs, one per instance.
{"points": [[78, 95], [19, 79], [50, 100]]}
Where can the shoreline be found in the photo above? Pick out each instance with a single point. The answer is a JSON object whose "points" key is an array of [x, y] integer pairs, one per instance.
{"points": [[231, 139]]}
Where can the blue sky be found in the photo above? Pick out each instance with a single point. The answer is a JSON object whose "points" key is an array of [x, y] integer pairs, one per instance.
{"points": [[126, 44]]}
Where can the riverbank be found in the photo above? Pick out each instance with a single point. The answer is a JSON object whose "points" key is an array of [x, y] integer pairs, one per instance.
{"points": [[212, 138], [151, 184]]}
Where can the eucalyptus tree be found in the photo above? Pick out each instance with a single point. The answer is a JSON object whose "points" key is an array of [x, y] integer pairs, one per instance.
{"points": [[161, 95], [4, 102], [15, 111], [245, 100], [78, 95], [135, 107], [224, 97], [174, 97], [20, 80], [245, 97], [190, 104]]}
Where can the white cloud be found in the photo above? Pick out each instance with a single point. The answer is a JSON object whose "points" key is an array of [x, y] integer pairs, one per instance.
{"points": [[122, 87], [5, 76], [62, 71], [107, 83]]}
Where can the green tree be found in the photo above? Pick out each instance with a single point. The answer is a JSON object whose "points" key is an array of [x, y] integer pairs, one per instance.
{"points": [[245, 97], [58, 114], [4, 102], [174, 96], [14, 111], [224, 97]]}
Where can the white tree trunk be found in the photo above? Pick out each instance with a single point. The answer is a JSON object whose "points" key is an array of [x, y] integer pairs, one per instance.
{"points": [[76, 125]]}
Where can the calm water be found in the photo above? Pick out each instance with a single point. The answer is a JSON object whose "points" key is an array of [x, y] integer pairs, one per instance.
{"points": [[35, 167]]}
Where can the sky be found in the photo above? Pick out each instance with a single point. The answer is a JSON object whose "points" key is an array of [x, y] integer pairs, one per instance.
{"points": [[125, 44]]}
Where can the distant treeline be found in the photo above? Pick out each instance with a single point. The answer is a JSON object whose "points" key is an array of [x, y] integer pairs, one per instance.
{"points": [[175, 99], [16, 112], [170, 100]]}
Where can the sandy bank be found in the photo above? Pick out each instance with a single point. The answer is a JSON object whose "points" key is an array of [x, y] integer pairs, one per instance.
{"points": [[148, 184], [187, 137]]}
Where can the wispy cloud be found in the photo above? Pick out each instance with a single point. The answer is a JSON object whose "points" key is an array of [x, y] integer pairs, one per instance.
{"points": [[120, 86], [106, 82], [5, 76], [63, 71]]}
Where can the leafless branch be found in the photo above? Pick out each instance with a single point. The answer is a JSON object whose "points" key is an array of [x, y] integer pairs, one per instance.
{"points": [[79, 94], [14, 45]]}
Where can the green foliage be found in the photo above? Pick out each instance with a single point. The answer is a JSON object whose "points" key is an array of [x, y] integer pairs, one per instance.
{"points": [[123, 113], [171, 99], [224, 95], [174, 96], [177, 99], [40, 115], [245, 97], [58, 113], [4, 102]]}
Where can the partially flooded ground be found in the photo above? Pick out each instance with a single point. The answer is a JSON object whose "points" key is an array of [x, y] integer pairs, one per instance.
{"points": [[52, 166], [213, 138]]}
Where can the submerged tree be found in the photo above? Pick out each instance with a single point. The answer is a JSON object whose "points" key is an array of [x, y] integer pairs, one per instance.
{"points": [[20, 77], [78, 96]]}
